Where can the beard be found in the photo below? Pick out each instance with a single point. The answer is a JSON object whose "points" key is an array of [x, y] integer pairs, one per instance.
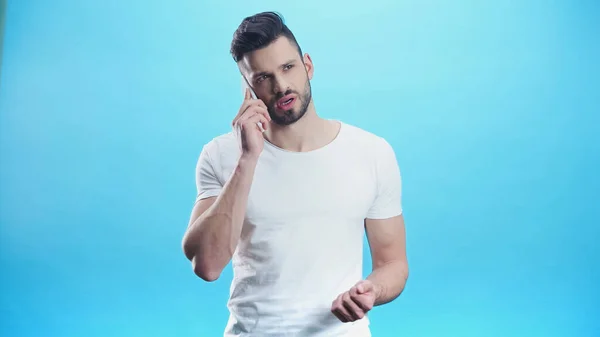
{"points": [[293, 115]]}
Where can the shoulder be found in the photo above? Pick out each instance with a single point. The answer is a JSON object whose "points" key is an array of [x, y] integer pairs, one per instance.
{"points": [[362, 139], [224, 143], [219, 149]]}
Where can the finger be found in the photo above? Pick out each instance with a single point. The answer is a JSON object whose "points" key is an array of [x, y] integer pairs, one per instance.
{"points": [[248, 94], [261, 103], [353, 310], [338, 310], [340, 316], [243, 115], [264, 112], [356, 298], [246, 106], [253, 102], [260, 122], [364, 287], [254, 120], [265, 118], [254, 111], [243, 108], [362, 301]]}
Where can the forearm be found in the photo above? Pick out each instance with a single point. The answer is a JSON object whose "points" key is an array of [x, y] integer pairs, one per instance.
{"points": [[389, 280], [213, 237]]}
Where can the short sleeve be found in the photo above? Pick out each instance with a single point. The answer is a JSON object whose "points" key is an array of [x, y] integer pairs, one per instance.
{"points": [[207, 183], [388, 200]]}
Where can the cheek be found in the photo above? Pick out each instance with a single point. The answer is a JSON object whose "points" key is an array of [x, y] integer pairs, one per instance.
{"points": [[263, 93]]}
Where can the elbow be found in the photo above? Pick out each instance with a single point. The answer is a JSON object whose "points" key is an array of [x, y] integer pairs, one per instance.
{"points": [[189, 250], [200, 268], [206, 274], [208, 268], [404, 270]]}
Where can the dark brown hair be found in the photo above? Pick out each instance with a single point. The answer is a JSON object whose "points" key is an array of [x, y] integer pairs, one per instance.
{"points": [[258, 31]]}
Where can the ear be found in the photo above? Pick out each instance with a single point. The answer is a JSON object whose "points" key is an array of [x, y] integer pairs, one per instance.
{"points": [[308, 65]]}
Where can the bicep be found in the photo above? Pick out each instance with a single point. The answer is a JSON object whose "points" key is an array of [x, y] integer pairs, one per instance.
{"points": [[201, 206], [388, 199], [387, 239], [208, 185], [208, 188]]}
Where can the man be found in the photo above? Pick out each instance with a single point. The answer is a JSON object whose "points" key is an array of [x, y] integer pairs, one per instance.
{"points": [[287, 196]]}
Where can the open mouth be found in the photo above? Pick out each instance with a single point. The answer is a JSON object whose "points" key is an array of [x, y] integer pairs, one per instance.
{"points": [[286, 102]]}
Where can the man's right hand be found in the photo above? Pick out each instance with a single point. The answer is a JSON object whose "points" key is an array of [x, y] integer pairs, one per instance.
{"points": [[245, 124], [216, 222]]}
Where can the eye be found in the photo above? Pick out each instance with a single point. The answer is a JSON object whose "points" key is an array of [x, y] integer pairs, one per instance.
{"points": [[261, 78], [288, 66]]}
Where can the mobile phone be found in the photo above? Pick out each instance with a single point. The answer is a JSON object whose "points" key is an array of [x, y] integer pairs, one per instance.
{"points": [[246, 85]]}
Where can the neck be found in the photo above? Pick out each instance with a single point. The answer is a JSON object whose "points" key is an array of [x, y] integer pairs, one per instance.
{"points": [[309, 133]]}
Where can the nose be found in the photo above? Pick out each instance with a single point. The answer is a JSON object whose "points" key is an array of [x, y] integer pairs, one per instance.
{"points": [[279, 86]]}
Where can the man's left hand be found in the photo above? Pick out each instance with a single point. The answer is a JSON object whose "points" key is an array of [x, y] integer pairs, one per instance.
{"points": [[356, 302]]}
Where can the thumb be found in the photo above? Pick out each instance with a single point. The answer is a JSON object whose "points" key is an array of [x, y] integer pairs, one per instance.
{"points": [[248, 94], [364, 287]]}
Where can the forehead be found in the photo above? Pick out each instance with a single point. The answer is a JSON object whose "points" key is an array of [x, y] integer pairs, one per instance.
{"points": [[270, 57]]}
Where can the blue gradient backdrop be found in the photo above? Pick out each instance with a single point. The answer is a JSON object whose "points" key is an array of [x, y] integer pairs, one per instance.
{"points": [[491, 106]]}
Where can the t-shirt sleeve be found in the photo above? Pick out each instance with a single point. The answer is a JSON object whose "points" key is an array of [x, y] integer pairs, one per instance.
{"points": [[207, 182], [388, 200]]}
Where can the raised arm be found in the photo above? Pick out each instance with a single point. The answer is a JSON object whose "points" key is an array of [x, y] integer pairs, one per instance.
{"points": [[218, 215], [216, 223]]}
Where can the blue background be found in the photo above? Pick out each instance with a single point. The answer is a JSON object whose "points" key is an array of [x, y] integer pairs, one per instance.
{"points": [[492, 108]]}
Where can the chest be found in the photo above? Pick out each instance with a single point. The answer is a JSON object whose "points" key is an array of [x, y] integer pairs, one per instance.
{"points": [[341, 188]]}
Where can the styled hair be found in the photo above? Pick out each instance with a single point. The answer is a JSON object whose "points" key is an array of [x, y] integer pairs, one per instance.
{"points": [[258, 31]]}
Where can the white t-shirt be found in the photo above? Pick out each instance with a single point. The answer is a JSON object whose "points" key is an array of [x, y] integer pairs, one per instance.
{"points": [[302, 239]]}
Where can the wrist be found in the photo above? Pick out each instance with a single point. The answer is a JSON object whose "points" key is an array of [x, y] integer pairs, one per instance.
{"points": [[379, 293], [247, 160], [378, 290]]}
